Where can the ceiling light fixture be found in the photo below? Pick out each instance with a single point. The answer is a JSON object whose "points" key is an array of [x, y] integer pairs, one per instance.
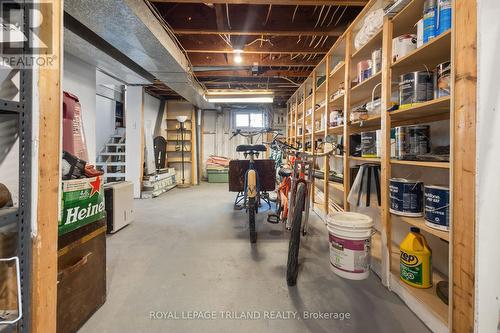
{"points": [[245, 96], [238, 59]]}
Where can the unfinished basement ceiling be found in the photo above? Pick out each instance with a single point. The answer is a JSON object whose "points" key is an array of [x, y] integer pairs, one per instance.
{"points": [[281, 43]]}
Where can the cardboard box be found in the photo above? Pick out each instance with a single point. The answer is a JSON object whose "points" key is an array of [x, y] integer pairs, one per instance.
{"points": [[82, 203]]}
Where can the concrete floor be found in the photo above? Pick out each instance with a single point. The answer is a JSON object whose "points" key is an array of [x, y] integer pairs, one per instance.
{"points": [[188, 250]]}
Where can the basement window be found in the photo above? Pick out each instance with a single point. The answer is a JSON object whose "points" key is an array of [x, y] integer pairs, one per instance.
{"points": [[249, 120]]}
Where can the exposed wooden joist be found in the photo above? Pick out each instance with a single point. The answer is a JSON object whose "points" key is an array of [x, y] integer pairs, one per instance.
{"points": [[275, 2], [248, 73], [335, 33]]}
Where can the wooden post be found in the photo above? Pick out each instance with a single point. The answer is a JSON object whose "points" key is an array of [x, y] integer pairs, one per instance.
{"points": [[43, 302], [194, 174], [347, 106], [304, 117], [463, 162], [385, 162], [313, 130], [326, 162], [295, 118]]}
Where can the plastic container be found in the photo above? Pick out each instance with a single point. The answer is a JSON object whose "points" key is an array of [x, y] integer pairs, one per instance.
{"points": [[218, 175], [415, 264], [350, 238]]}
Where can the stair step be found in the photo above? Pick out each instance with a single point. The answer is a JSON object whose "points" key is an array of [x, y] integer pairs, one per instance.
{"points": [[113, 154], [110, 164]]}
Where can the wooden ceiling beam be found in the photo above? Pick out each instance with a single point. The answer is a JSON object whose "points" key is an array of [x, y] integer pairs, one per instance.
{"points": [[275, 2], [335, 33]]}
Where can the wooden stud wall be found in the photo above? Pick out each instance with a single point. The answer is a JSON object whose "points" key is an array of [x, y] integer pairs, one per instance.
{"points": [[44, 262], [459, 46]]}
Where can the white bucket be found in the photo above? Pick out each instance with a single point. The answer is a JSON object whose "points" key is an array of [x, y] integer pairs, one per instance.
{"points": [[350, 237]]}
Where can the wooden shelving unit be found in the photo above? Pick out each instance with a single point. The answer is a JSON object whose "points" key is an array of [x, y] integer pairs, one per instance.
{"points": [[385, 251]]}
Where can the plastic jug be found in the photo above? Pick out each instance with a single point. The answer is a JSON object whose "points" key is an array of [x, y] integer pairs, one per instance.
{"points": [[415, 260]]}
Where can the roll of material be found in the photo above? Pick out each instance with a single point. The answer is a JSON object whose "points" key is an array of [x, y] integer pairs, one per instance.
{"points": [[444, 16], [364, 69], [420, 33], [429, 20], [376, 61]]}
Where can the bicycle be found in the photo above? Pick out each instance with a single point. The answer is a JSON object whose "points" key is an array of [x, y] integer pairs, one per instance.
{"points": [[251, 194], [302, 176]]}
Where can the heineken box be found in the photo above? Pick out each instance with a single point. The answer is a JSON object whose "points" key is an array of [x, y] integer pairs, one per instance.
{"points": [[82, 203]]}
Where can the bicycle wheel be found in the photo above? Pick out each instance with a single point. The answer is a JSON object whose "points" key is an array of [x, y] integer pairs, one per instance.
{"points": [[292, 265], [251, 220]]}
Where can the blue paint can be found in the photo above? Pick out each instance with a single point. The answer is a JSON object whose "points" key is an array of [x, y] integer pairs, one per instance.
{"points": [[437, 207], [429, 20], [406, 197], [444, 16]]}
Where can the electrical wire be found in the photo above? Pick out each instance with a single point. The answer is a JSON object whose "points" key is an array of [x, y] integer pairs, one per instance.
{"points": [[340, 16], [268, 14], [331, 19], [319, 16], [227, 15], [294, 12], [326, 15]]}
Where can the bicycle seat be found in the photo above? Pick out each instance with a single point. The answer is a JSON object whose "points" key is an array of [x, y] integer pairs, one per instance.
{"points": [[285, 172], [250, 148]]}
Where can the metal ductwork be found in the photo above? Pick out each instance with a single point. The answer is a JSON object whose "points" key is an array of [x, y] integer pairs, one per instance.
{"points": [[131, 28]]}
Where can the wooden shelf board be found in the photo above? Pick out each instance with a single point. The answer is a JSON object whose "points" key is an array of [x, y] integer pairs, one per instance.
{"points": [[336, 185], [363, 91], [319, 132], [427, 298], [336, 129], [177, 160], [428, 56], [419, 222], [321, 87], [177, 151], [427, 164], [404, 21], [368, 124], [337, 102], [366, 50], [365, 159], [438, 108], [338, 71]]}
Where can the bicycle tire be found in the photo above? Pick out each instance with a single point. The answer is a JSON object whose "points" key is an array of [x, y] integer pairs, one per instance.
{"points": [[292, 265], [251, 220]]}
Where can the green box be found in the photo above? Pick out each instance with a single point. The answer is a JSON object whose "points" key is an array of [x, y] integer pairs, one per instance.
{"points": [[218, 175], [82, 202]]}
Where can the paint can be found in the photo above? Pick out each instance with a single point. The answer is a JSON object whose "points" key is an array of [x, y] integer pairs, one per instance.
{"points": [[444, 16], [364, 70], [400, 150], [415, 87], [420, 33], [349, 236], [419, 142], [406, 197], [429, 20], [369, 144], [437, 207], [403, 45], [376, 61], [442, 77]]}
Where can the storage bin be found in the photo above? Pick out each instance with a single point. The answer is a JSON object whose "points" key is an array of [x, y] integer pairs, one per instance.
{"points": [[217, 175]]}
